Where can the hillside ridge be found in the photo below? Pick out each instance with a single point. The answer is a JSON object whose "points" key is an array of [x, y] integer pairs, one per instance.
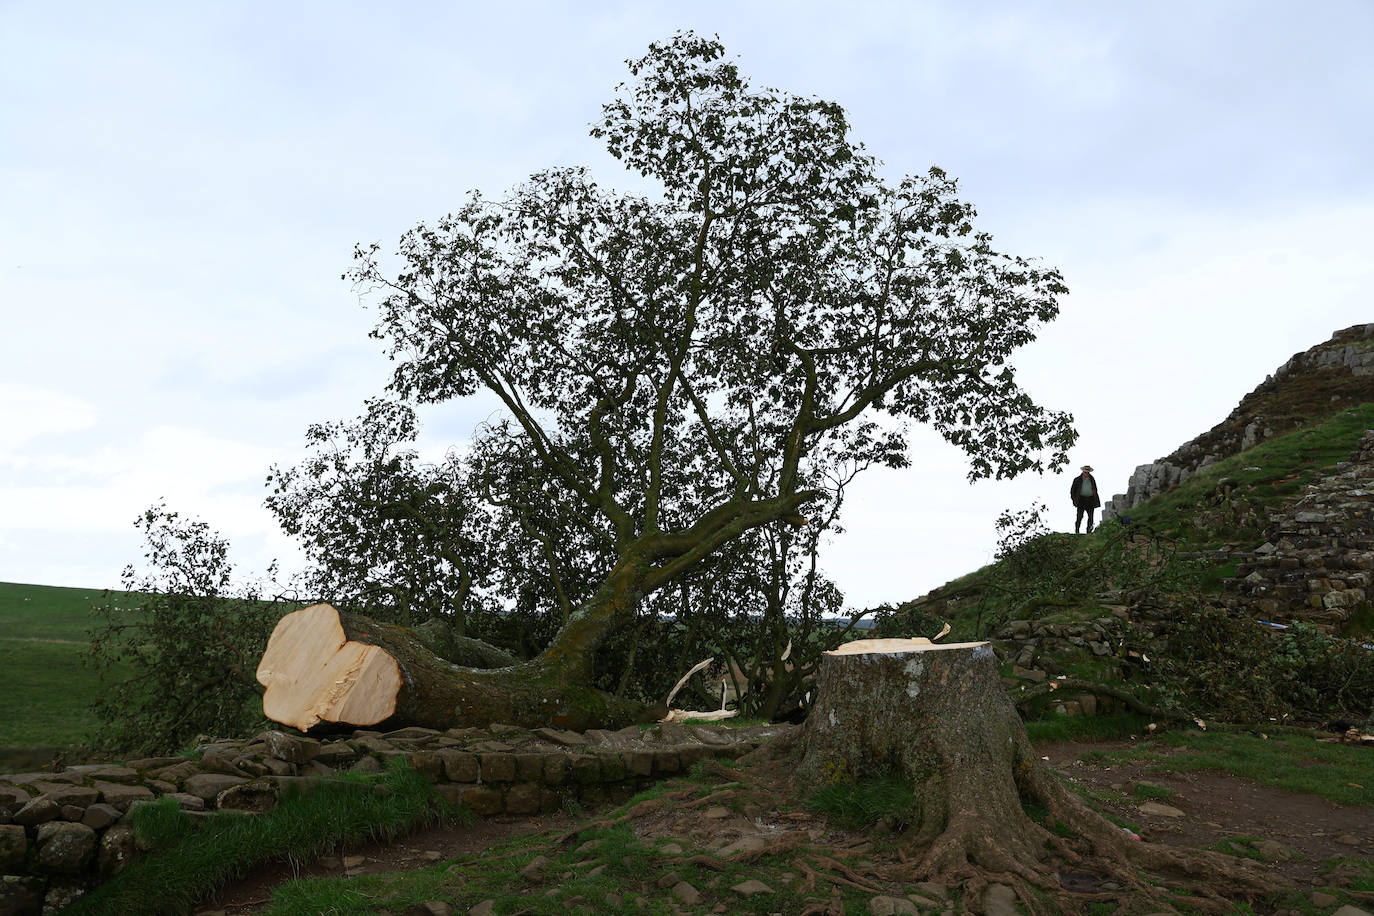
{"points": [[1309, 387]]}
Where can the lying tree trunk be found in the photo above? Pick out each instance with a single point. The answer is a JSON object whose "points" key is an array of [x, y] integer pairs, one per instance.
{"points": [[322, 665], [938, 717]]}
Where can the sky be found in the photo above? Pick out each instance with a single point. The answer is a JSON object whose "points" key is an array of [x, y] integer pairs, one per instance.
{"points": [[182, 185]]}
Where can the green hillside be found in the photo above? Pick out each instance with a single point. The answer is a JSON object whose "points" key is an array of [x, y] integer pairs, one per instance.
{"points": [[46, 687], [1159, 606]]}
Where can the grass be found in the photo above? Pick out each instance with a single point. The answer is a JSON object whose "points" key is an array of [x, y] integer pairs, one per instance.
{"points": [[47, 694], [43, 612], [47, 688], [191, 861], [1271, 470], [601, 870], [1296, 763], [1144, 791], [860, 805], [1243, 846], [1087, 728]]}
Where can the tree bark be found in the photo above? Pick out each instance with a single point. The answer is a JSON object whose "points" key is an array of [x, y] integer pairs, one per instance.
{"points": [[938, 718], [323, 666]]}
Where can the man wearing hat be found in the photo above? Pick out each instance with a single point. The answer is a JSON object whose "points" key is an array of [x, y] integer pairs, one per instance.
{"points": [[1083, 492]]}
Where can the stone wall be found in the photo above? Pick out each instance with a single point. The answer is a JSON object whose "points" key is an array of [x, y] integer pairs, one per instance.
{"points": [[1317, 561], [63, 832], [1308, 387]]}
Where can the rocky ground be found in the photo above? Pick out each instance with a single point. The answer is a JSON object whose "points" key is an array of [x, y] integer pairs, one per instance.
{"points": [[723, 844]]}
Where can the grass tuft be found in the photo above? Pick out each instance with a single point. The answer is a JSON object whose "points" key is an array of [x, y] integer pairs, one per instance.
{"points": [[860, 805]]}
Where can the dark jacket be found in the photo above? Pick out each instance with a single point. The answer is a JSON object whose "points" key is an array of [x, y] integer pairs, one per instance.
{"points": [[1090, 502]]}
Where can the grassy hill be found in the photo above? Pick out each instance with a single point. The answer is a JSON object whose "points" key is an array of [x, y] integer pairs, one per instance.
{"points": [[47, 689], [1162, 608]]}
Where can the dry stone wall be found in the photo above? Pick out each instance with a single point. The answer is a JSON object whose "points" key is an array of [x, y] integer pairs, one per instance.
{"points": [[63, 832], [1317, 561]]}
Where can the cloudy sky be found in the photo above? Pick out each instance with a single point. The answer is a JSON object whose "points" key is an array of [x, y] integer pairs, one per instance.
{"points": [[181, 186]]}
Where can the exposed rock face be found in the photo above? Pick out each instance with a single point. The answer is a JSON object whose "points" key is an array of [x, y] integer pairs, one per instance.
{"points": [[1312, 385]]}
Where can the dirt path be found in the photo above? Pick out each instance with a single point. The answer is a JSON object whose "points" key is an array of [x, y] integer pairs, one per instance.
{"points": [[1293, 834], [1308, 829]]}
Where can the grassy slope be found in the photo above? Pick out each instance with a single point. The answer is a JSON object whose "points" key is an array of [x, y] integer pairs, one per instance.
{"points": [[1264, 475], [47, 690]]}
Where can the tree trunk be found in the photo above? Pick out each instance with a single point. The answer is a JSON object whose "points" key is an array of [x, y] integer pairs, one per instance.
{"points": [[321, 665], [938, 717]]}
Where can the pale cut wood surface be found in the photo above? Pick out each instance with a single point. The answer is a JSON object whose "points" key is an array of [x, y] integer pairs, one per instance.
{"points": [[313, 673], [915, 644]]}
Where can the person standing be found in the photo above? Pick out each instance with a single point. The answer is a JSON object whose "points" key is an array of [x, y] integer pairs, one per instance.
{"points": [[1083, 492]]}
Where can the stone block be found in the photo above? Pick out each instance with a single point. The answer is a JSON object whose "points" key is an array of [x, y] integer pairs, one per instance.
{"points": [[223, 761], [252, 797], [561, 736], [666, 762], [372, 744], [116, 850], [689, 754], [66, 794], [1342, 599], [187, 801], [428, 763], [176, 773], [22, 895], [207, 786], [38, 811], [586, 770], [64, 848], [523, 798], [290, 748], [335, 754], [122, 796], [459, 766], [612, 767], [111, 773], [529, 767], [554, 769], [482, 800], [497, 767], [14, 848], [98, 817], [62, 894], [451, 793], [638, 763]]}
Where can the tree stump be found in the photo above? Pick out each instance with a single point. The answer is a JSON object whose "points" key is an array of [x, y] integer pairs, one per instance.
{"points": [[939, 718]]}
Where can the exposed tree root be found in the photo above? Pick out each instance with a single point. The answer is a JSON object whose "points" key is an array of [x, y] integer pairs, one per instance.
{"points": [[711, 862], [846, 875], [783, 844], [715, 797], [942, 723]]}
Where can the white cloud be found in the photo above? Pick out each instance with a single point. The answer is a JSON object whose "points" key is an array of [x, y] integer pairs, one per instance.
{"points": [[28, 413]]}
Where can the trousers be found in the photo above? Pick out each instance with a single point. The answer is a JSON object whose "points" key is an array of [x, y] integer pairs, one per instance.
{"points": [[1078, 520]]}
